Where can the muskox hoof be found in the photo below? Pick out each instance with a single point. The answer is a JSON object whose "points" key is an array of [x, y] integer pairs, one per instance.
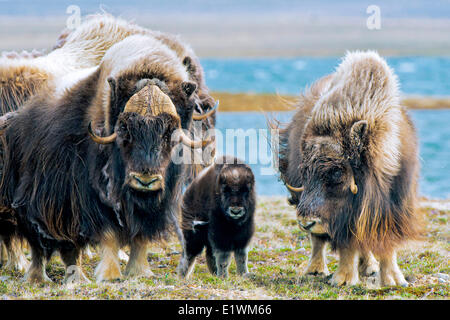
{"points": [[139, 272], [248, 275], [317, 269], [107, 272], [341, 278], [21, 264], [368, 266], [36, 277], [393, 279], [74, 275]]}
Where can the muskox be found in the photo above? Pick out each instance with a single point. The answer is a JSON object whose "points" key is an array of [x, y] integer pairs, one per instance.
{"points": [[218, 213], [76, 55], [80, 50], [350, 160], [95, 165]]}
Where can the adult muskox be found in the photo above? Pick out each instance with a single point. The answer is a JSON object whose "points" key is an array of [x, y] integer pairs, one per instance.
{"points": [[99, 32], [78, 53], [113, 182], [349, 158]]}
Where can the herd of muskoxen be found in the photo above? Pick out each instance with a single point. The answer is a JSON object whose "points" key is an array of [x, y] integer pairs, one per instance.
{"points": [[88, 136]]}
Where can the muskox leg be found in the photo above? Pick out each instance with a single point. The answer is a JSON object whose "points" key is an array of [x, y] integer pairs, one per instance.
{"points": [[211, 260], [3, 254], [186, 265], [318, 261], [109, 267], [71, 256], [36, 272], [16, 257], [222, 262], [241, 258], [347, 272], [137, 264], [368, 265], [390, 273], [194, 242]]}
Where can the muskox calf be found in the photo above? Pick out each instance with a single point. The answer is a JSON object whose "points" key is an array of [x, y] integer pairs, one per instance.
{"points": [[218, 213], [351, 154]]}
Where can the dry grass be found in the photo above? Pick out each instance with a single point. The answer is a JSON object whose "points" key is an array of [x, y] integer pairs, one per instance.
{"points": [[279, 253], [273, 102]]}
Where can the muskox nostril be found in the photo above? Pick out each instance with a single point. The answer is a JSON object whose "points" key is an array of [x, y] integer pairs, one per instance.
{"points": [[145, 181], [309, 225], [236, 211]]}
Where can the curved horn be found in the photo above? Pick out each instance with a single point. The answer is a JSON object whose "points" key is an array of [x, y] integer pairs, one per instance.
{"points": [[299, 189], [353, 186], [101, 140], [194, 144], [207, 114]]}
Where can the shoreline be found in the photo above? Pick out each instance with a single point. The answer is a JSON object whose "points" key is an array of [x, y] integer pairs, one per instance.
{"points": [[244, 102]]}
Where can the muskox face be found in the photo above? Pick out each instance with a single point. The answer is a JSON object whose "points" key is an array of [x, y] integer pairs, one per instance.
{"points": [[143, 133], [236, 189], [328, 179], [145, 148]]}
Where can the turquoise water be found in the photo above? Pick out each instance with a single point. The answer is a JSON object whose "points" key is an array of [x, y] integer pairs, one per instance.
{"points": [[417, 75], [427, 76], [434, 135]]}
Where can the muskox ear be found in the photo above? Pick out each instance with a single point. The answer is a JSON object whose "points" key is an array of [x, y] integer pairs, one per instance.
{"points": [[190, 67], [188, 87], [113, 101], [113, 92], [358, 133], [187, 62]]}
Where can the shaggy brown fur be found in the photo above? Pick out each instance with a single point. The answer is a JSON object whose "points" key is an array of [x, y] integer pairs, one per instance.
{"points": [[83, 48], [18, 84], [70, 191], [351, 130], [78, 52]]}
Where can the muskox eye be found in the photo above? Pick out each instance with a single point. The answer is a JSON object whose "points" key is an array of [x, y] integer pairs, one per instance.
{"points": [[336, 175]]}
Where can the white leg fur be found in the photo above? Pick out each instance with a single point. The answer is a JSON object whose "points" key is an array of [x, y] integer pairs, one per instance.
{"points": [[137, 264], [347, 272], [123, 256], [16, 258], [390, 273], [318, 261], [3, 253], [368, 265], [109, 267]]}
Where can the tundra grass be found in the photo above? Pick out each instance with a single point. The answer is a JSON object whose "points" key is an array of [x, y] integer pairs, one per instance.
{"points": [[278, 256]]}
